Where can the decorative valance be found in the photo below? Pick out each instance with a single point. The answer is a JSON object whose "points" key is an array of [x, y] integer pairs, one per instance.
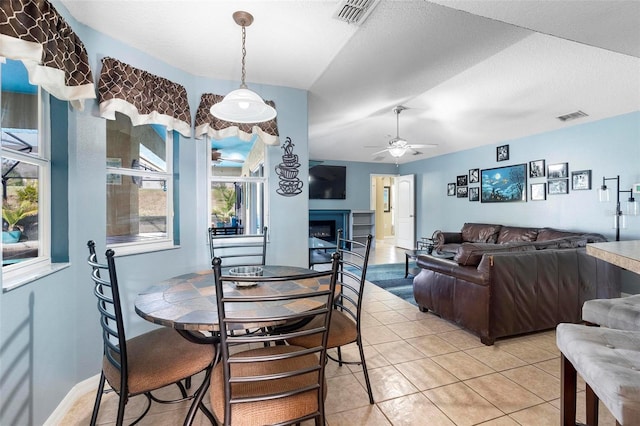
{"points": [[144, 97], [207, 124], [32, 31]]}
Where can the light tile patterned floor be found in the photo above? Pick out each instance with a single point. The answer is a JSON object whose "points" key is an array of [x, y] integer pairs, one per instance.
{"points": [[423, 370]]}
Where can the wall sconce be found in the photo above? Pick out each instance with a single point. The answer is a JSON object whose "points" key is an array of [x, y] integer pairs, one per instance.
{"points": [[631, 208]]}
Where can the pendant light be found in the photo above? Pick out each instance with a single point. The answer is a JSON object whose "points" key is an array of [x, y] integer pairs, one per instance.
{"points": [[243, 105]]}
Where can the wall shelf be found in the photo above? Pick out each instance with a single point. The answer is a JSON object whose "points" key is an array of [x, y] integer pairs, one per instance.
{"points": [[363, 223]]}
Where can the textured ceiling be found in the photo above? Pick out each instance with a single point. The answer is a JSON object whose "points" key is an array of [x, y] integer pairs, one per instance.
{"points": [[471, 72]]}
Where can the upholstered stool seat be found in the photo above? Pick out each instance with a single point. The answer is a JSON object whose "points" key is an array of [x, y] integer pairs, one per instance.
{"points": [[622, 313], [609, 362]]}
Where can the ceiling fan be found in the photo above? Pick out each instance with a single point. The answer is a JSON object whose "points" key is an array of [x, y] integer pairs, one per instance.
{"points": [[399, 146], [216, 157]]}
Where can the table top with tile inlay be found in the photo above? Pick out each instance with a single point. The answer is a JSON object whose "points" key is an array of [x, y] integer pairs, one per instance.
{"points": [[188, 302]]}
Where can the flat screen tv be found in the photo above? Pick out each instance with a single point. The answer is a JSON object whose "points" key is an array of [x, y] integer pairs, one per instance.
{"points": [[327, 182]]}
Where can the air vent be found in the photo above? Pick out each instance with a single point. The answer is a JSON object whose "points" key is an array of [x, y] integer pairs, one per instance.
{"points": [[572, 116], [354, 11]]}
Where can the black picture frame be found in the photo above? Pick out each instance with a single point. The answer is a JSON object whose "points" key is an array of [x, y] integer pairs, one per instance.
{"points": [[386, 198], [502, 153], [461, 180], [474, 193], [462, 191], [451, 189], [557, 186], [504, 184], [581, 180], [537, 169], [474, 175], [558, 171], [538, 191]]}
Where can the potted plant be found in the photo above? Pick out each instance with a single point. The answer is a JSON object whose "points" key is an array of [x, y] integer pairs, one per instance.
{"points": [[12, 214]]}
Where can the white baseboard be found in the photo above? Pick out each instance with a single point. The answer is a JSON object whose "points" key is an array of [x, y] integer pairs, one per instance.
{"points": [[88, 385]]}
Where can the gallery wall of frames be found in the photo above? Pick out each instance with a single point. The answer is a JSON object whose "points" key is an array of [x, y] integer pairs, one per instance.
{"points": [[532, 181]]}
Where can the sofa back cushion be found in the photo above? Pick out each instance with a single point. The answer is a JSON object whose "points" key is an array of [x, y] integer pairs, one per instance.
{"points": [[574, 241], [510, 234], [480, 232], [470, 254]]}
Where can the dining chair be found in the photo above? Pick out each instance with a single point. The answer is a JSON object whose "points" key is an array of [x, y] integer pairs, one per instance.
{"points": [[234, 250], [260, 380], [144, 363], [346, 320]]}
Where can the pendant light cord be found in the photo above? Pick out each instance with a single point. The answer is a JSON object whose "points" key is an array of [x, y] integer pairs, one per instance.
{"points": [[244, 54]]}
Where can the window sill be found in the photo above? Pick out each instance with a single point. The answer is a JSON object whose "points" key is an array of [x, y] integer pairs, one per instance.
{"points": [[13, 280], [133, 249]]}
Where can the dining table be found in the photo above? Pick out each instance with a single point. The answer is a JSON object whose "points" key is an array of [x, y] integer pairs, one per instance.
{"points": [[187, 303]]}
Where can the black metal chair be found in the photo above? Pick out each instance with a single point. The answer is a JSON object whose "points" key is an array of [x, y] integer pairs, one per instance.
{"points": [[144, 363], [234, 250], [275, 383], [345, 321]]}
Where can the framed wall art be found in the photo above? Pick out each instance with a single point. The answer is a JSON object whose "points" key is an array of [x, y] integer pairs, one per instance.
{"points": [[538, 191], [386, 198], [451, 189], [474, 194], [502, 153], [462, 180], [558, 171], [504, 184], [462, 192], [474, 175], [558, 186], [581, 180], [536, 168]]}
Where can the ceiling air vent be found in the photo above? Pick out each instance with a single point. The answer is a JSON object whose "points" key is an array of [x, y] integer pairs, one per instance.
{"points": [[354, 11], [572, 116]]}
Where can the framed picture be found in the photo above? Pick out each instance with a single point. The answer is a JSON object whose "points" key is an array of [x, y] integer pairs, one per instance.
{"points": [[581, 180], [558, 186], [504, 184], [538, 191], [462, 191], [474, 194], [386, 197], [462, 180], [536, 168], [502, 153], [558, 171], [474, 175], [451, 189], [114, 179]]}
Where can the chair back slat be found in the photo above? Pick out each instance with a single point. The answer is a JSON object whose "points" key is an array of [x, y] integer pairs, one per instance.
{"points": [[354, 260], [110, 309], [246, 250], [261, 316]]}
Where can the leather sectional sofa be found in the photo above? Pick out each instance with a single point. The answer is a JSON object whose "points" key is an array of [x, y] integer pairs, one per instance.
{"points": [[507, 280]]}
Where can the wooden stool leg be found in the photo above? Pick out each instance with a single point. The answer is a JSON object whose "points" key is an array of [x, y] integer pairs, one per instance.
{"points": [[568, 397], [592, 406]]}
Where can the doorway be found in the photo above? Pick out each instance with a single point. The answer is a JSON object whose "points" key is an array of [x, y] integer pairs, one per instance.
{"points": [[383, 202]]}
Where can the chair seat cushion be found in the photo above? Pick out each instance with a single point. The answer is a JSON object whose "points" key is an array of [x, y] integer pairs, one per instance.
{"points": [[159, 358], [609, 361], [622, 313], [265, 411], [342, 331]]}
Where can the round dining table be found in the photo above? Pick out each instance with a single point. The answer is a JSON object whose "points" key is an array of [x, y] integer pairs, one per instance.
{"points": [[188, 302]]}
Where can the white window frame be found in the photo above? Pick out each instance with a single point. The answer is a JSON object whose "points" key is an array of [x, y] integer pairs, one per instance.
{"points": [[134, 247], [28, 270]]}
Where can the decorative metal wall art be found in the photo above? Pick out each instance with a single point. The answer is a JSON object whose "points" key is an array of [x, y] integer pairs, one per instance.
{"points": [[290, 184]]}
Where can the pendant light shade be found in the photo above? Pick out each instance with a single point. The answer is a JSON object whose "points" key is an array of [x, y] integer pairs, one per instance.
{"points": [[243, 105]]}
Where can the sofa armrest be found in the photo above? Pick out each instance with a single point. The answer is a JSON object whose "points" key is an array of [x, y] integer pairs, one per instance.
{"points": [[472, 274], [441, 238]]}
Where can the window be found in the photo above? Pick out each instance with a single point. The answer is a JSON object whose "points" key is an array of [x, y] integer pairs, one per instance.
{"points": [[139, 185], [26, 172], [237, 198]]}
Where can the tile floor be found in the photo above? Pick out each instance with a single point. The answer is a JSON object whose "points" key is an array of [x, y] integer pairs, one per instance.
{"points": [[423, 370]]}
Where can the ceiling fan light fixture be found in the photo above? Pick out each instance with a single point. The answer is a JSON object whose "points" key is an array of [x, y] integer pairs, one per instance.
{"points": [[243, 105], [397, 151]]}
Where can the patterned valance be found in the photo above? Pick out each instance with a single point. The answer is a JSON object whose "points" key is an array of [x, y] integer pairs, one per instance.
{"points": [[32, 31], [144, 97], [207, 124]]}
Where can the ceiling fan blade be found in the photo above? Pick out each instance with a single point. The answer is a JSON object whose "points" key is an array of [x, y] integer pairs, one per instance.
{"points": [[233, 160], [426, 145], [380, 152]]}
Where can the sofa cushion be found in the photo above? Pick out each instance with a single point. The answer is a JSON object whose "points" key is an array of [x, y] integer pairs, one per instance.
{"points": [[480, 232], [574, 241], [546, 234], [470, 254], [516, 233]]}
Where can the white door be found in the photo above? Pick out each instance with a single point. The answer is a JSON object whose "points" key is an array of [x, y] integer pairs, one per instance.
{"points": [[405, 219]]}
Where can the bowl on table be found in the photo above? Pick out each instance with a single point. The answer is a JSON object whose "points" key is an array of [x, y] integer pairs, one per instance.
{"points": [[246, 271]]}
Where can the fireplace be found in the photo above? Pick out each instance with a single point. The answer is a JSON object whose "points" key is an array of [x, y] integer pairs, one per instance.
{"points": [[323, 229]]}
